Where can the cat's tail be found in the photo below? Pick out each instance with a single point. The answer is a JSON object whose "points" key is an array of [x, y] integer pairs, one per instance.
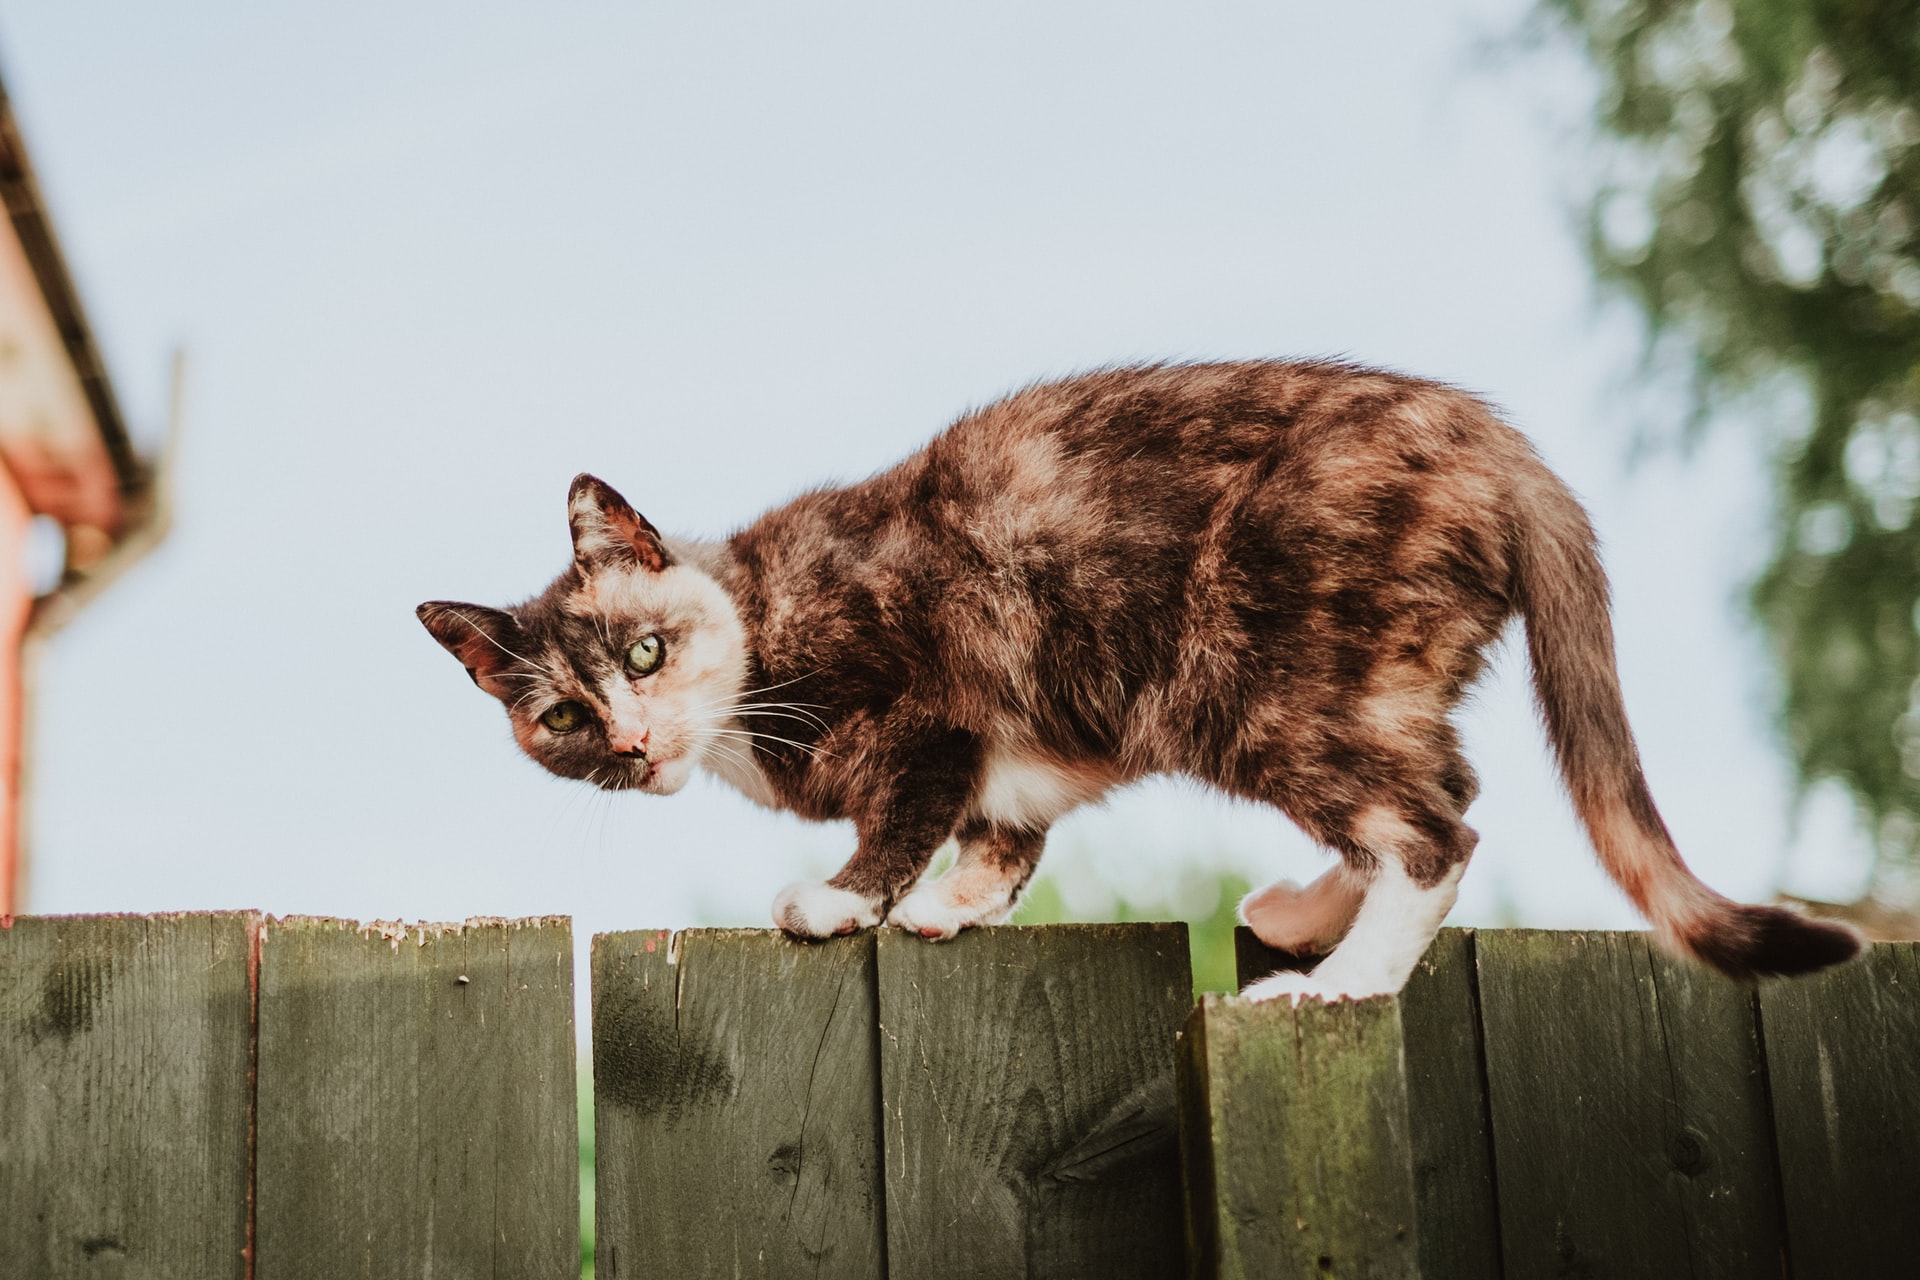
{"points": [[1562, 592]]}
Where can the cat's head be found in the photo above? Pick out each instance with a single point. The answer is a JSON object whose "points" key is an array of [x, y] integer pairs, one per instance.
{"points": [[623, 672]]}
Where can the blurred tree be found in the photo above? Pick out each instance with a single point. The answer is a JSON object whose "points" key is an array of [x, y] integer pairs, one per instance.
{"points": [[1759, 200]]}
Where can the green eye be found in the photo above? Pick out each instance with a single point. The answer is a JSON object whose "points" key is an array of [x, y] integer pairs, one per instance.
{"points": [[564, 717], [647, 654]]}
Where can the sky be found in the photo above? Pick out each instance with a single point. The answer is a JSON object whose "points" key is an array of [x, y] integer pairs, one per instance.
{"points": [[429, 261]]}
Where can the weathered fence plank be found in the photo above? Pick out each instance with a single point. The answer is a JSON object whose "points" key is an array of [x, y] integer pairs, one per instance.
{"points": [[1629, 1110], [1843, 1057], [416, 1100], [1451, 1132], [124, 1097], [1028, 1101], [736, 1117], [1296, 1142]]}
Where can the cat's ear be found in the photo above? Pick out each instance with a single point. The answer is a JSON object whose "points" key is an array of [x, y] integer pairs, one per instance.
{"points": [[486, 641], [608, 533]]}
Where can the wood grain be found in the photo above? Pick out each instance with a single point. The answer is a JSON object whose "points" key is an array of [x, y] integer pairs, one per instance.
{"points": [[124, 1096], [1843, 1056], [1449, 1122], [1305, 1167], [1628, 1100], [416, 1100], [1028, 1101], [736, 1106], [1450, 1129]]}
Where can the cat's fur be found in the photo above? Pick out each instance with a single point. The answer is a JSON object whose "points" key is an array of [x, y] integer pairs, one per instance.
{"points": [[1277, 578]]}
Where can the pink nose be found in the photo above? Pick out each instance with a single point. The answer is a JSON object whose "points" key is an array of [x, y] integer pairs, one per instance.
{"points": [[634, 745]]}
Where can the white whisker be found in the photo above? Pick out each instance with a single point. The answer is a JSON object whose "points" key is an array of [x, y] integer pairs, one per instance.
{"points": [[750, 734], [813, 721]]}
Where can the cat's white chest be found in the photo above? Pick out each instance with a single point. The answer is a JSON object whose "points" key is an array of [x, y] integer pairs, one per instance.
{"points": [[1018, 789]]}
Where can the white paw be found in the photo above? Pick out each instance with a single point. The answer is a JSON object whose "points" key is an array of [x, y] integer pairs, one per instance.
{"points": [[1295, 986], [930, 912], [809, 910], [1326, 983]]}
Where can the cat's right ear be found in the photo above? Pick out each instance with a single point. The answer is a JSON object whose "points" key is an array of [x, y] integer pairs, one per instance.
{"points": [[608, 532], [484, 640]]}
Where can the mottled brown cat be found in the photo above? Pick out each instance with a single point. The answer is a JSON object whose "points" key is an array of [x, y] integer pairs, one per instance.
{"points": [[1276, 578]]}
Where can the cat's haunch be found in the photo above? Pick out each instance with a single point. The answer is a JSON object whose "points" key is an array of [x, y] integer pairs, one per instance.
{"points": [[1276, 578]]}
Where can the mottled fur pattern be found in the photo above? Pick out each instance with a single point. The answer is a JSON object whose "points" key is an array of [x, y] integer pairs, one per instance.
{"points": [[1276, 578]]}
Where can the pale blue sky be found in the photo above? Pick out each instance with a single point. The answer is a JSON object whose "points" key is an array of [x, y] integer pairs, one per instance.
{"points": [[431, 260]]}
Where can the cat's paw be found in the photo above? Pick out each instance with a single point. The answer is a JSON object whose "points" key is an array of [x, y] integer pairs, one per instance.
{"points": [[933, 912], [1291, 986], [1327, 983], [810, 910]]}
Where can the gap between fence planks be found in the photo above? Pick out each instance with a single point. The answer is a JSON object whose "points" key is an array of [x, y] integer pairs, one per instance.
{"points": [[1000, 1105], [227, 1095]]}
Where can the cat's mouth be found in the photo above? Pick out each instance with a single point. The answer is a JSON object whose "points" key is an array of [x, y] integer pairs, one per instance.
{"points": [[661, 775], [639, 773]]}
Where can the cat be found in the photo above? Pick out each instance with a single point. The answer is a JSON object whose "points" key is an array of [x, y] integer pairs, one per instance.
{"points": [[1278, 578]]}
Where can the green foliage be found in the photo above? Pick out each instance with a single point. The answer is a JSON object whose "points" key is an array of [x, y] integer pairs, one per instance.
{"points": [[586, 1173], [1210, 932], [1759, 201]]}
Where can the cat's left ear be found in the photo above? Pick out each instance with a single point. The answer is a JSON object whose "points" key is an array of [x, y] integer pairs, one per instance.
{"points": [[608, 533], [487, 642]]}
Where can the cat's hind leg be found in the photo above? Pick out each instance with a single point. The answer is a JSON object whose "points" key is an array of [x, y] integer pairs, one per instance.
{"points": [[1415, 877], [1305, 921], [982, 887]]}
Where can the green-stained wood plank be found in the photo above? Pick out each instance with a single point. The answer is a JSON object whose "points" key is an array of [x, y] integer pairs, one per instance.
{"points": [[1628, 1100], [1295, 1136], [416, 1101], [1028, 1101], [736, 1106], [124, 1096], [1451, 1131], [1843, 1056]]}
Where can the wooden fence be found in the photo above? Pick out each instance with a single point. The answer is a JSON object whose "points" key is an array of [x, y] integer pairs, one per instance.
{"points": [[227, 1095]]}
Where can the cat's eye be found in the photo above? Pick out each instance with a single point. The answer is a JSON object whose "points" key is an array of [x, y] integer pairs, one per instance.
{"points": [[646, 655], [564, 717]]}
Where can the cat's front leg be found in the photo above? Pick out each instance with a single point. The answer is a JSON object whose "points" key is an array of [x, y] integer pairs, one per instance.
{"points": [[982, 887], [919, 778]]}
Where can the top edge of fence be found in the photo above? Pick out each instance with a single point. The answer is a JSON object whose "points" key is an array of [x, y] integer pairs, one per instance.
{"points": [[419, 932], [676, 936], [88, 917]]}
